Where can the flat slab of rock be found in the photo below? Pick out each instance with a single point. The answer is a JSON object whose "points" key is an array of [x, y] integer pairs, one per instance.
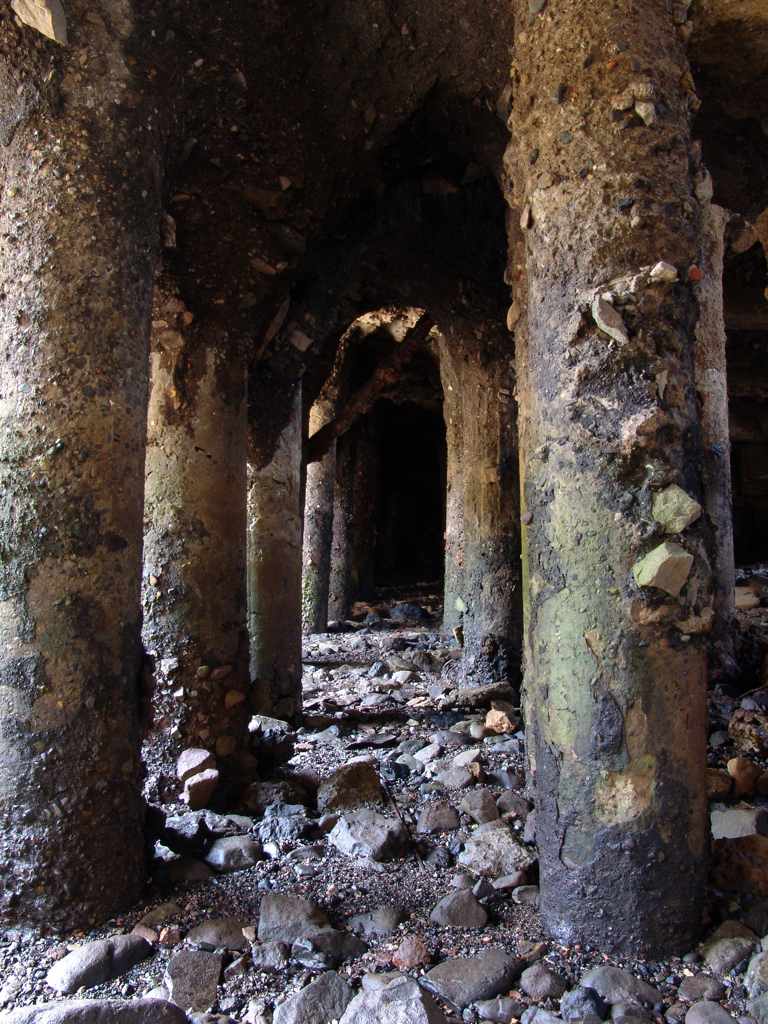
{"points": [[399, 1002], [733, 822], [493, 851], [221, 933], [98, 1011], [618, 986], [192, 978], [466, 980], [369, 835], [350, 786], [325, 999], [97, 962], [459, 910], [287, 918], [439, 817]]}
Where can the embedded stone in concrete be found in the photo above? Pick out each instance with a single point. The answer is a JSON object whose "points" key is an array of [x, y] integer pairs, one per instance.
{"points": [[287, 918], [97, 962], [348, 787], [609, 320], [98, 1011], [666, 567], [466, 980], [325, 999], [192, 978], [47, 16], [663, 272], [675, 509], [459, 910]]}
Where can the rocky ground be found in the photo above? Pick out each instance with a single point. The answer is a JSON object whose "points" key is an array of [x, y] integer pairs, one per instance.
{"points": [[393, 845]]}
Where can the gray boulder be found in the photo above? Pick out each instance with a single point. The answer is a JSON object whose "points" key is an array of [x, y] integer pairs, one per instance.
{"points": [[220, 933], [287, 918], [233, 853], [459, 910], [500, 1010], [348, 787], [326, 950], [582, 1002], [536, 1015], [700, 986], [381, 921], [618, 986], [480, 806], [399, 1002], [97, 962], [492, 850], [466, 980], [708, 1012], [756, 980], [438, 817], [325, 999], [540, 982], [98, 1011], [369, 835]]}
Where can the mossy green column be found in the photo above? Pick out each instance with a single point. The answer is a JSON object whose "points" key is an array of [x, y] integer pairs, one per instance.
{"points": [[602, 167]]}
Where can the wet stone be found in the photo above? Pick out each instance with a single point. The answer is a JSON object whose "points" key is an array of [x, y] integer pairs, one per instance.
{"points": [[756, 979], [98, 1011], [271, 956], [500, 1010], [326, 950]]}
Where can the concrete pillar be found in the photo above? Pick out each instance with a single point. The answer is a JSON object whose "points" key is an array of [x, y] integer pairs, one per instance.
{"points": [[318, 529], [274, 571], [195, 537], [454, 604], [340, 596], [78, 254]]}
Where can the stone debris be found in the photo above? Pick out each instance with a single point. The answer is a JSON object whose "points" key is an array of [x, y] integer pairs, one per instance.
{"points": [[466, 980], [459, 910], [349, 787], [323, 1000], [609, 320], [99, 1011], [96, 962], [666, 567], [402, 1001], [47, 16], [192, 978]]}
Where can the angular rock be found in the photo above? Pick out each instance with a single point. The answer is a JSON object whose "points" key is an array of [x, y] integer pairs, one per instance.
{"points": [[617, 986], [666, 566], [221, 933], [466, 980], [733, 822], [326, 950], [367, 834], [675, 509], [459, 910], [349, 787], [233, 853], [260, 795], [189, 869], [708, 1013], [381, 921], [455, 778], [399, 1002], [609, 320], [582, 1002], [198, 789], [493, 851], [271, 956], [325, 999], [514, 805], [439, 817], [376, 982], [473, 755], [537, 1015], [287, 918], [192, 761], [192, 978], [98, 1011], [740, 865], [97, 962], [745, 774], [719, 783], [187, 833], [47, 16], [480, 805], [758, 1007]]}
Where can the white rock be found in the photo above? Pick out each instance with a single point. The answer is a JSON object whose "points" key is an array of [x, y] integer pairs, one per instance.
{"points": [[47, 16], [663, 272], [609, 321]]}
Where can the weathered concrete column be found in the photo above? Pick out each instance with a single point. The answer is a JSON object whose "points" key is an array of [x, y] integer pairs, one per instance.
{"points": [[712, 391], [616, 662], [482, 572], [274, 569], [453, 580], [340, 586], [318, 528], [194, 543], [366, 483], [77, 257]]}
